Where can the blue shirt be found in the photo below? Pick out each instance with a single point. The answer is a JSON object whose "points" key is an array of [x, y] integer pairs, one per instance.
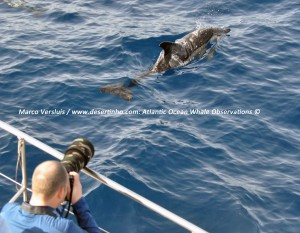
{"points": [[21, 221], [4, 228]]}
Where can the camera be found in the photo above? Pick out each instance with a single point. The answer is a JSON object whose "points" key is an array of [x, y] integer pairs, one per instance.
{"points": [[78, 155]]}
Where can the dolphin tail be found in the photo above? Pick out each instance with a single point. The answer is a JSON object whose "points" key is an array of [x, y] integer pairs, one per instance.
{"points": [[119, 90], [122, 89]]}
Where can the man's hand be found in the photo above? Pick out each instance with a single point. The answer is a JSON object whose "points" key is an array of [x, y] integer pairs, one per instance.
{"points": [[77, 188]]}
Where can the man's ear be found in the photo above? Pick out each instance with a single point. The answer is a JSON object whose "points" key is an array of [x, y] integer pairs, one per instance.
{"points": [[61, 193]]}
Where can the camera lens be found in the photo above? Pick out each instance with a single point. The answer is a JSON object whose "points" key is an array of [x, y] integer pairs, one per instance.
{"points": [[78, 155]]}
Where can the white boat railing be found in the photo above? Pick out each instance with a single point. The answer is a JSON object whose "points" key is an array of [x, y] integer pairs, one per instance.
{"points": [[95, 175]]}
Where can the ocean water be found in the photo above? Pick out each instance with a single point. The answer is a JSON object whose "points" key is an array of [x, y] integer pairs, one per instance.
{"points": [[233, 167]]}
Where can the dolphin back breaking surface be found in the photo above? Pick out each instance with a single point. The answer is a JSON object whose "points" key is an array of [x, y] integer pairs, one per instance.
{"points": [[183, 50], [174, 54]]}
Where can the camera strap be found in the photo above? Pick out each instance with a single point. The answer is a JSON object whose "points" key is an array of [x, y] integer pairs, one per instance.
{"points": [[71, 178], [41, 210]]}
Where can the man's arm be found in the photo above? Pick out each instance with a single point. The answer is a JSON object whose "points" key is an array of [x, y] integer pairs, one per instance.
{"points": [[84, 217], [81, 209]]}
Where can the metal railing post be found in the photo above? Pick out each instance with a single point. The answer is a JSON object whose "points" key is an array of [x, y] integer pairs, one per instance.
{"points": [[24, 168], [24, 186]]}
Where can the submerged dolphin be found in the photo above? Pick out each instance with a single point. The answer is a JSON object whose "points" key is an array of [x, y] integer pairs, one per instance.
{"points": [[22, 4], [174, 54]]}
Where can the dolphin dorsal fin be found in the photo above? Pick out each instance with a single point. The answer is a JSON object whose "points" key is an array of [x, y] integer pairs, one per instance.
{"points": [[172, 47], [167, 46]]}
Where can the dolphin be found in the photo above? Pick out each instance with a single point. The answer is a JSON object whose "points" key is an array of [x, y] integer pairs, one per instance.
{"points": [[175, 54], [182, 51], [22, 4]]}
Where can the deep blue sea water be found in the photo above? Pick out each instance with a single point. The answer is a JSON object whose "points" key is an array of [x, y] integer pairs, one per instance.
{"points": [[232, 173]]}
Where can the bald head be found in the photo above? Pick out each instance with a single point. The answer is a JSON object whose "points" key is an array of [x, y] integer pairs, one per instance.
{"points": [[48, 178]]}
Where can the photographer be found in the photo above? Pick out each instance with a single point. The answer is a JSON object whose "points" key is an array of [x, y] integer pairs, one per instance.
{"points": [[4, 228], [50, 187]]}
